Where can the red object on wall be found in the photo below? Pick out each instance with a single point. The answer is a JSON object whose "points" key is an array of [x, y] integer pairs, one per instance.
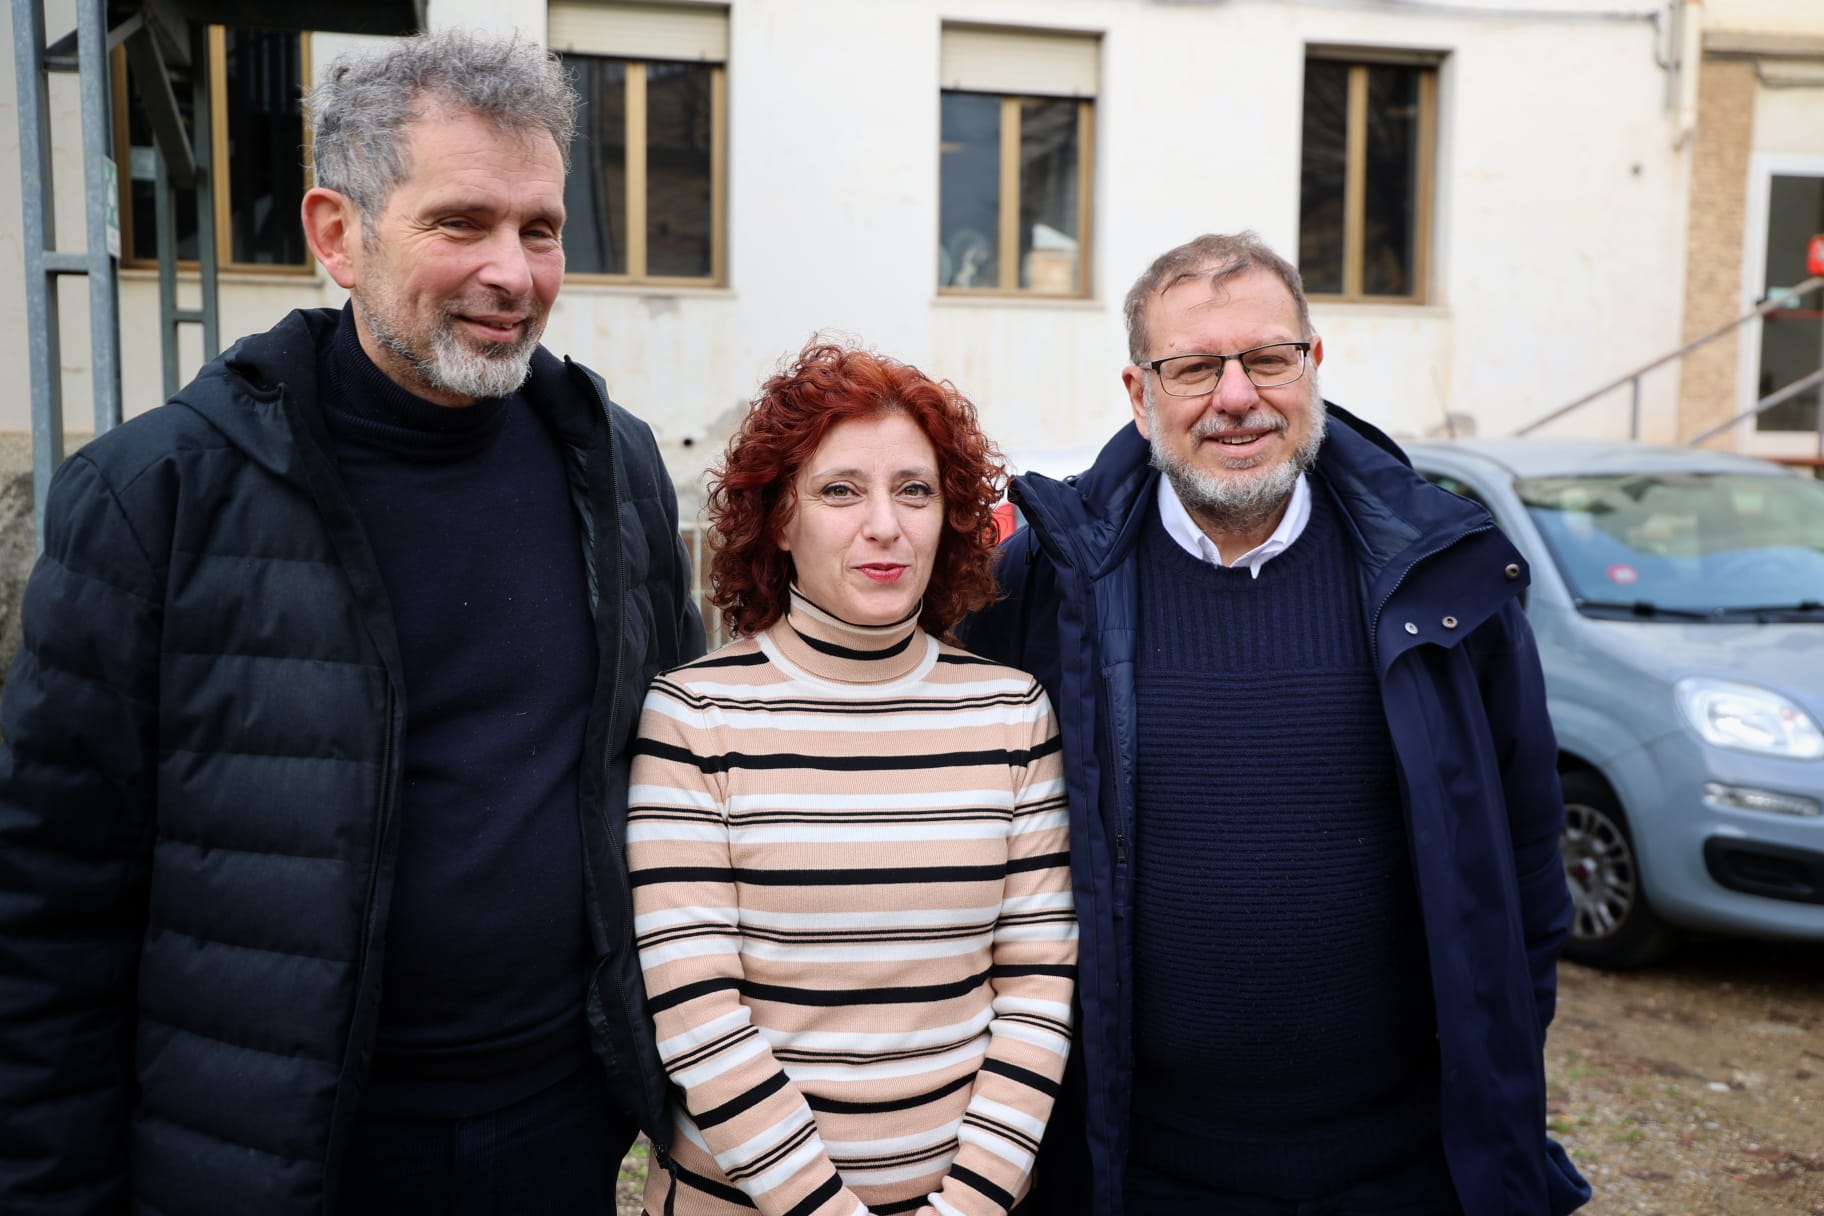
{"points": [[1814, 255], [1004, 520]]}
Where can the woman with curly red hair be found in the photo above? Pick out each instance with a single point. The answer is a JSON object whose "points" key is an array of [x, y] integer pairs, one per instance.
{"points": [[847, 836]]}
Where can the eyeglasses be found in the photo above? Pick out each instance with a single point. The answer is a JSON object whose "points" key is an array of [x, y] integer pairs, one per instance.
{"points": [[1265, 366]]}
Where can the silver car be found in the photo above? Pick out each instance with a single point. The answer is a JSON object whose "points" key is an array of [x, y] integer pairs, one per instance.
{"points": [[1678, 600]]}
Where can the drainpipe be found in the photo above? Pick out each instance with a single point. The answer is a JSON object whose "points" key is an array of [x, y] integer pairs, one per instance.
{"points": [[1688, 31]]}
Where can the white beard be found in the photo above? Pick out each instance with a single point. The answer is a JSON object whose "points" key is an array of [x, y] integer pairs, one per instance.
{"points": [[1241, 498], [451, 364]]}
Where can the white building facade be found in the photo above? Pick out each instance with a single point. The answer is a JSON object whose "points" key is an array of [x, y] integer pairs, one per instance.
{"points": [[1491, 200]]}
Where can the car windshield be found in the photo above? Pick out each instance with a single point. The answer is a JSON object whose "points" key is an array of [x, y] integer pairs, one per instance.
{"points": [[1685, 545]]}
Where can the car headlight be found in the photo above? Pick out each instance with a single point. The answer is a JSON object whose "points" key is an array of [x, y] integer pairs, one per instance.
{"points": [[1748, 719]]}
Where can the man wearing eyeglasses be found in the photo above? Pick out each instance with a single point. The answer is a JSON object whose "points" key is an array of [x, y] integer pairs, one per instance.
{"points": [[1314, 802]]}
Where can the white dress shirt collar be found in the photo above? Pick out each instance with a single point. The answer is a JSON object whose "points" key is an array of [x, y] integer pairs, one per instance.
{"points": [[1182, 528]]}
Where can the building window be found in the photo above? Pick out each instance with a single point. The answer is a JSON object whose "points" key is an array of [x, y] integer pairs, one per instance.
{"points": [[1365, 189], [644, 199], [1015, 168], [256, 112]]}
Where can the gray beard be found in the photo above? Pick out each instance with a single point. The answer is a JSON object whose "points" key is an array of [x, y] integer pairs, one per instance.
{"points": [[1239, 500], [494, 370]]}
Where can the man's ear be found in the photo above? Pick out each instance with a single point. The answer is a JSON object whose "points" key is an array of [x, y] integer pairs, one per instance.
{"points": [[333, 228], [1134, 379]]}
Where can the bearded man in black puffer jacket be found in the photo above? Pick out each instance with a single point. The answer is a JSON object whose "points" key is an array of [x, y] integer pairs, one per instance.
{"points": [[311, 897]]}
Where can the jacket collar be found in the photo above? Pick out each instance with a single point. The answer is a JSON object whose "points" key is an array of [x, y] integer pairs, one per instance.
{"points": [[241, 392]]}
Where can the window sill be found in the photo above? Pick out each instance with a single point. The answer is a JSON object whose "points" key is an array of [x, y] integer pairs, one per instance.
{"points": [[607, 287], [295, 275], [1015, 300], [1391, 309]]}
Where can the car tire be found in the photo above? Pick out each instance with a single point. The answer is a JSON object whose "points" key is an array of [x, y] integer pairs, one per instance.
{"points": [[1612, 924]]}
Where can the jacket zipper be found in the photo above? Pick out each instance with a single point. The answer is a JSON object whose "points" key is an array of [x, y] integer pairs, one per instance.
{"points": [[388, 790], [620, 609], [614, 712]]}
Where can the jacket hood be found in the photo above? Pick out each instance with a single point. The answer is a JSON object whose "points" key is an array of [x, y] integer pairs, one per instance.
{"points": [[1098, 512], [242, 393]]}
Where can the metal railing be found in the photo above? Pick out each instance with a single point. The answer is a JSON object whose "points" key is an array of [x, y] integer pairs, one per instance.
{"points": [[1768, 402], [1785, 299], [696, 544]]}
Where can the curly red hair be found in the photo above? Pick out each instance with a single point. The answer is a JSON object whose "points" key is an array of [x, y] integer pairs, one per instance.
{"points": [[750, 492]]}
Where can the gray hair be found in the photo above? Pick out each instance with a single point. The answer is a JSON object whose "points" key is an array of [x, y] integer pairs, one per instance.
{"points": [[362, 111], [1218, 258]]}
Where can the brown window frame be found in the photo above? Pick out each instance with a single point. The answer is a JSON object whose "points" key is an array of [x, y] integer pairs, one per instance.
{"points": [[1355, 179], [218, 157], [635, 204], [1008, 217]]}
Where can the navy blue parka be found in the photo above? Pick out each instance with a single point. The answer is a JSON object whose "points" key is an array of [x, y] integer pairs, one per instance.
{"points": [[203, 740], [1477, 761]]}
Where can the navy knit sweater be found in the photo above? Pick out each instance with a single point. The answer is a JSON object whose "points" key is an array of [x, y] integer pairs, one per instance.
{"points": [[470, 519], [1284, 1036]]}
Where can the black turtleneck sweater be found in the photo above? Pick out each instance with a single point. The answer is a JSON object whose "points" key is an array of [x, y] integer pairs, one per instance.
{"points": [[470, 519]]}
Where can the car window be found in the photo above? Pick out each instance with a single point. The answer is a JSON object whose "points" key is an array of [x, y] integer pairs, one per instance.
{"points": [[1684, 542], [1460, 488]]}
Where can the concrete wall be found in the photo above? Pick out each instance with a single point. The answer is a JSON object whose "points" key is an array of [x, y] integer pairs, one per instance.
{"points": [[1560, 215], [1792, 18], [1714, 245], [1760, 111]]}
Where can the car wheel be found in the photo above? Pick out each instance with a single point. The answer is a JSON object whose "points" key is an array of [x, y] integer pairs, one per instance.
{"points": [[1612, 925]]}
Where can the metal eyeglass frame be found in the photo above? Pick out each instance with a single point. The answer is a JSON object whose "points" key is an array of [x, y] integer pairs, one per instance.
{"points": [[1222, 365]]}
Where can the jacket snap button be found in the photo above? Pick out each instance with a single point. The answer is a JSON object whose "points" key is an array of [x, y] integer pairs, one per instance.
{"points": [[1450, 622], [1513, 570], [1411, 628]]}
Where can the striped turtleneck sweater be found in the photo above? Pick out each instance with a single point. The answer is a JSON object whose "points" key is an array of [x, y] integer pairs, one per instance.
{"points": [[848, 849]]}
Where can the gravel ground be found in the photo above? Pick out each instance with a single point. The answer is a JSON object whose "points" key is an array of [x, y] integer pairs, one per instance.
{"points": [[633, 1178], [1696, 1088], [1693, 1089]]}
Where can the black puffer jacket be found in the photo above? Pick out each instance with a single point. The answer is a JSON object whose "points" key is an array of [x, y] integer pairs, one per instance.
{"points": [[197, 792]]}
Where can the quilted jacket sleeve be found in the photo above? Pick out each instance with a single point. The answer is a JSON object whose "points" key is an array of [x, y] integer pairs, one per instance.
{"points": [[76, 789]]}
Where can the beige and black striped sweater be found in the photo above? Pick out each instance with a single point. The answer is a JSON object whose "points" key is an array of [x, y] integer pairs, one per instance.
{"points": [[852, 900]]}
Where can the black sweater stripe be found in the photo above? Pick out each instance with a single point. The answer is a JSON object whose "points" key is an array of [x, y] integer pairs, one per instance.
{"points": [[1024, 1076], [976, 1182], [825, 998], [839, 1106], [822, 878], [826, 1191], [731, 761], [745, 1101]]}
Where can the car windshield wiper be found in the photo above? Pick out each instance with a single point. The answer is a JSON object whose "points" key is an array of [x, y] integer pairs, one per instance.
{"points": [[1642, 609], [1799, 610]]}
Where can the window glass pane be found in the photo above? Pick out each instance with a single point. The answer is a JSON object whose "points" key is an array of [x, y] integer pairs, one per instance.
{"points": [[1390, 212], [595, 193], [141, 239], [678, 128], [1790, 336], [1325, 156], [969, 214], [265, 169], [1048, 195]]}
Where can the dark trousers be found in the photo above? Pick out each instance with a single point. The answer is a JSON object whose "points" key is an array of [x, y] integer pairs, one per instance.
{"points": [[1420, 1189], [556, 1153]]}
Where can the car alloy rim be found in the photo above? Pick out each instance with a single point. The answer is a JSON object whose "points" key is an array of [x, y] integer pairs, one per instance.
{"points": [[1599, 866]]}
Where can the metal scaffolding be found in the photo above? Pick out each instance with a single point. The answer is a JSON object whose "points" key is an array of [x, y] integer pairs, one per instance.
{"points": [[165, 42]]}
